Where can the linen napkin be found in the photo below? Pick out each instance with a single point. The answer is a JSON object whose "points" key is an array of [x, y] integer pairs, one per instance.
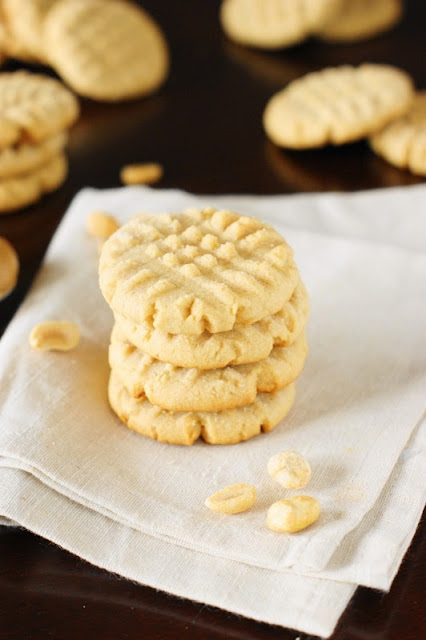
{"points": [[68, 466]]}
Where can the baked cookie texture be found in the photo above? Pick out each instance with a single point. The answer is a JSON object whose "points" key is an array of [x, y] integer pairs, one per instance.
{"points": [[35, 113], [209, 335], [361, 19], [20, 191], [33, 107], [403, 141], [337, 105], [106, 50], [223, 427], [240, 345], [179, 389], [273, 24], [25, 157], [24, 22], [196, 271]]}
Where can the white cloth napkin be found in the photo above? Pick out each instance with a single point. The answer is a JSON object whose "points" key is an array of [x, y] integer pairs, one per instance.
{"points": [[71, 472]]}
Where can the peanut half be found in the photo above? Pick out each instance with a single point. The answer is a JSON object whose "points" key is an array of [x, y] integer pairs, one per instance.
{"points": [[147, 173], [294, 514], [101, 225], [233, 499], [55, 336], [9, 268], [290, 469]]}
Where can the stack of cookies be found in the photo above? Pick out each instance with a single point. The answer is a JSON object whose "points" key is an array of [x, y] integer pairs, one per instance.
{"points": [[209, 331], [35, 112]]}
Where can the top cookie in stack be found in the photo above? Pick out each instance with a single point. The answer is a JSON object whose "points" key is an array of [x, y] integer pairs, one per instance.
{"points": [[209, 336]]}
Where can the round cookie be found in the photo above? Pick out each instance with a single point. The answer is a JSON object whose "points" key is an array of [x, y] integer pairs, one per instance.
{"points": [[361, 19], [241, 345], [201, 270], [179, 389], [224, 427], [272, 24], [25, 157], [403, 141], [21, 191], [337, 105], [33, 107], [106, 50], [24, 23]]}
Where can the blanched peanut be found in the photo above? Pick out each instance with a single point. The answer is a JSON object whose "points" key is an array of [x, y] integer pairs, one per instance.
{"points": [[9, 268], [101, 225], [147, 173], [233, 499], [55, 336], [290, 469], [294, 514]]}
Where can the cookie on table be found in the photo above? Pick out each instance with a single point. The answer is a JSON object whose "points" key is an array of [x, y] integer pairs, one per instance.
{"points": [[201, 270], [24, 20], [33, 107], [403, 141], [25, 157], [240, 345], [106, 50], [337, 105], [272, 24], [361, 19], [179, 389], [223, 427], [21, 191]]}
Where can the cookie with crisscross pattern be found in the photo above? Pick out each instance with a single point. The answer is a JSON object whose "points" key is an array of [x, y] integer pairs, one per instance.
{"points": [[337, 105], [106, 50], [201, 270]]}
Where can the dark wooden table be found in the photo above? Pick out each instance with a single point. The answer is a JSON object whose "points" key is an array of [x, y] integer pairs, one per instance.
{"points": [[204, 126]]}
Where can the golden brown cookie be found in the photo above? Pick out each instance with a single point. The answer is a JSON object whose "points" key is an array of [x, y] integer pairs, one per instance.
{"points": [[33, 107], [106, 50], [272, 24], [201, 270], [179, 389], [361, 19], [337, 105], [25, 157], [215, 350], [224, 427], [21, 191], [24, 21], [403, 141]]}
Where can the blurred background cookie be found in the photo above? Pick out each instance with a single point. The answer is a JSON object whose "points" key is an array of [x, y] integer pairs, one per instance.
{"points": [[23, 22], [337, 105], [403, 141], [361, 19], [106, 50], [35, 113], [23, 190], [273, 24]]}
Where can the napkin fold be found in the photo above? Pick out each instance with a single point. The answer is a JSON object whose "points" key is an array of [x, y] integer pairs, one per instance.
{"points": [[68, 466]]}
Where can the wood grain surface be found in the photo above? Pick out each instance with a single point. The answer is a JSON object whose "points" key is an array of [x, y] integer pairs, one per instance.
{"points": [[204, 126]]}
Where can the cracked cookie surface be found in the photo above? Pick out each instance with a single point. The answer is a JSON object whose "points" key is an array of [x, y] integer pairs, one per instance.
{"points": [[201, 270], [240, 345], [179, 389], [223, 427]]}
